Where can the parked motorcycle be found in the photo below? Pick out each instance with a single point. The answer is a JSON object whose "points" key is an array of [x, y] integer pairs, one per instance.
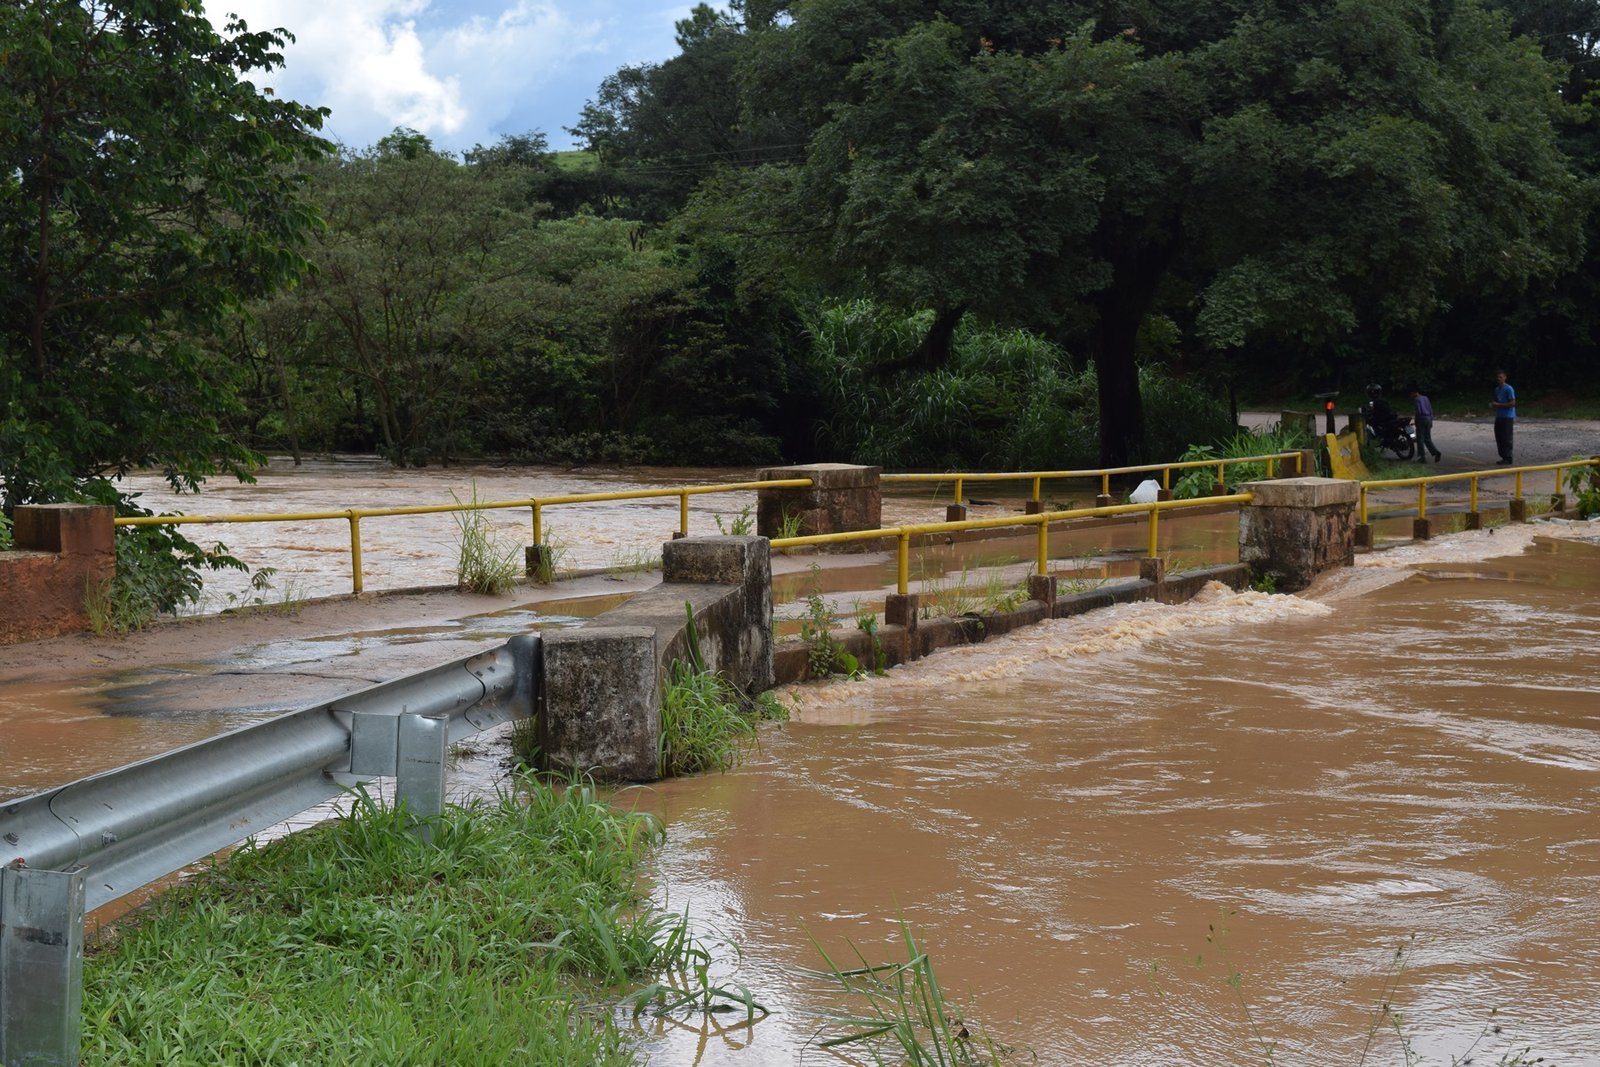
{"points": [[1396, 435]]}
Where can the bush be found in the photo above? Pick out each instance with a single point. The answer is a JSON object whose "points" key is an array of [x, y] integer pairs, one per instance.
{"points": [[1007, 400]]}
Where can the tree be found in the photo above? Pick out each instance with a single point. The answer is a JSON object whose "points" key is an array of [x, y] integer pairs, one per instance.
{"points": [[1264, 171], [146, 189]]}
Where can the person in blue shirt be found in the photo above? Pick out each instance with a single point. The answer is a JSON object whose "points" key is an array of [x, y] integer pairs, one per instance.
{"points": [[1424, 408], [1505, 416]]}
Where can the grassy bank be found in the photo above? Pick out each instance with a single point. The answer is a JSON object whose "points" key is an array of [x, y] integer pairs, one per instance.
{"points": [[505, 941]]}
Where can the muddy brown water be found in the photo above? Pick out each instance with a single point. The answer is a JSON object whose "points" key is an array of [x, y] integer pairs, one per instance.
{"points": [[1064, 815], [1407, 756]]}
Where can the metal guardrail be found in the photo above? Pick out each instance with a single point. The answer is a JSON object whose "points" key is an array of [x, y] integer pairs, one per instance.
{"points": [[1042, 520], [1473, 477], [1104, 474], [537, 504], [69, 850]]}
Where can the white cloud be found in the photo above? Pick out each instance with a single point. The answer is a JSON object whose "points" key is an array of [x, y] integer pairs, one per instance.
{"points": [[379, 64]]}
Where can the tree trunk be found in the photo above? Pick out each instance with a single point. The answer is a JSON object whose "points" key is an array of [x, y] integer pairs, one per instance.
{"points": [[937, 343], [1136, 272]]}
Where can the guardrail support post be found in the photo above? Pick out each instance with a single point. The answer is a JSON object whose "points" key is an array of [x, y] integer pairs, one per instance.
{"points": [[540, 563], [419, 769], [1296, 528], [41, 966], [1153, 569], [955, 513]]}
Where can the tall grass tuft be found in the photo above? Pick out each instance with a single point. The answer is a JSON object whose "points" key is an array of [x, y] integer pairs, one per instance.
{"points": [[484, 563], [355, 943], [904, 1017], [706, 723]]}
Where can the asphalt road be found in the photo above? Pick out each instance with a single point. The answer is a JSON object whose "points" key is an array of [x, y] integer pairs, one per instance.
{"points": [[1468, 444]]}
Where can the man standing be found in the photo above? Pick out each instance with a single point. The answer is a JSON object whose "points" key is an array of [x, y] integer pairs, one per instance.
{"points": [[1424, 409], [1505, 416]]}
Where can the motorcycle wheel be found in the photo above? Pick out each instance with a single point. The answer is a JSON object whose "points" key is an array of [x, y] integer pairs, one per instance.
{"points": [[1404, 448]]}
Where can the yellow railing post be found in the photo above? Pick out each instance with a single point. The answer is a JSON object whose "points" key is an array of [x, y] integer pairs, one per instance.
{"points": [[1361, 508], [1270, 467], [903, 565], [1222, 474], [1037, 482], [1422, 500], [1105, 485], [538, 525], [683, 514], [959, 498], [1155, 519], [1166, 478], [355, 551], [1473, 495], [1044, 548], [1516, 493]]}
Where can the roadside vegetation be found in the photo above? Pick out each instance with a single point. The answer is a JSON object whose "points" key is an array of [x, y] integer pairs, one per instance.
{"points": [[508, 939]]}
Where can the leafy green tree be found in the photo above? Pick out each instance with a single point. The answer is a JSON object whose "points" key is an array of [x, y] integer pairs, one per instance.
{"points": [[146, 189], [1264, 172]]}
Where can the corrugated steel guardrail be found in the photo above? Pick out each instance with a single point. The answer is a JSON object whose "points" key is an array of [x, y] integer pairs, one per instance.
{"points": [[87, 843]]}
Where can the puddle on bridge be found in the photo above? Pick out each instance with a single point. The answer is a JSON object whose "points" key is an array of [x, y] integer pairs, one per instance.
{"points": [[1410, 757]]}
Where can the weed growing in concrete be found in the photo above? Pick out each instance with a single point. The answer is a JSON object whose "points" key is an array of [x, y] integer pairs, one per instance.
{"points": [[706, 723], [485, 563], [632, 562], [867, 623], [905, 1017], [550, 565], [739, 526], [354, 942], [524, 739], [964, 593], [5, 532], [1080, 580], [789, 525], [823, 653]]}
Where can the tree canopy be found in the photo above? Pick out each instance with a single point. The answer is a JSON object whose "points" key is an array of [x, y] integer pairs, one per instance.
{"points": [[146, 189], [1256, 171]]}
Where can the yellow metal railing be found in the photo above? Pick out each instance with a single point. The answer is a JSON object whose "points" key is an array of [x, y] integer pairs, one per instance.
{"points": [[1472, 477], [904, 534], [1103, 474], [354, 515]]}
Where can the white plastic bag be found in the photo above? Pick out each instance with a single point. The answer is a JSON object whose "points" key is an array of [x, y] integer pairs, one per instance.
{"points": [[1147, 493]]}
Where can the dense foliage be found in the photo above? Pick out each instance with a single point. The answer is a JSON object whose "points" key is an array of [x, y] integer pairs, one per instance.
{"points": [[907, 233]]}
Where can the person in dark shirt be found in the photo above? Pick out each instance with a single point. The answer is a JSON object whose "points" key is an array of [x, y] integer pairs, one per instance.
{"points": [[1424, 408], [1380, 416]]}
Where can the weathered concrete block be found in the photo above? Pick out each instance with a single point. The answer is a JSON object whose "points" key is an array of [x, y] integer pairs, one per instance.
{"points": [[1296, 528], [841, 497], [601, 702], [735, 623]]}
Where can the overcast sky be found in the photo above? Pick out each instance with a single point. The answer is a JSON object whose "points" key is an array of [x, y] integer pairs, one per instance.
{"points": [[461, 71]]}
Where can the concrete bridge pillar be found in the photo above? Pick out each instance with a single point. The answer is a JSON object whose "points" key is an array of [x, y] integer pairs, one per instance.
{"points": [[57, 552], [600, 710], [842, 497], [1296, 528]]}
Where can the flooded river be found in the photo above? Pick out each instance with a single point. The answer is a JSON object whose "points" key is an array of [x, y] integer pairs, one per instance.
{"points": [[1064, 814], [1405, 759]]}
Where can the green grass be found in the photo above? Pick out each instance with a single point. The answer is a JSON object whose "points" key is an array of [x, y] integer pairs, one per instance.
{"points": [[963, 592], [507, 940], [903, 1016], [706, 723], [485, 563]]}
